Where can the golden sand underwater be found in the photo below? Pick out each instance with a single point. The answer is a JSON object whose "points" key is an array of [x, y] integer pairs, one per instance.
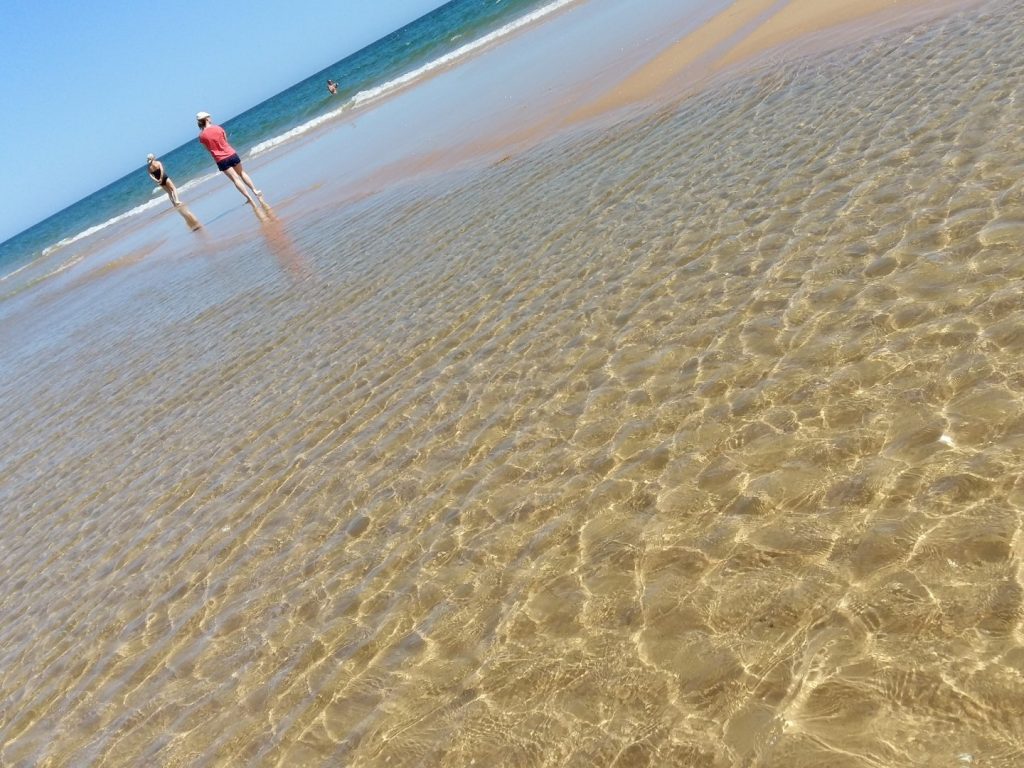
{"points": [[691, 441]]}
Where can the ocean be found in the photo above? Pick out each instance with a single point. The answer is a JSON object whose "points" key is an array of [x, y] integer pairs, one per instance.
{"points": [[456, 30], [688, 438]]}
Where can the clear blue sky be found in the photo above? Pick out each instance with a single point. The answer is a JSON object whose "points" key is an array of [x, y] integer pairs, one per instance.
{"points": [[88, 88]]}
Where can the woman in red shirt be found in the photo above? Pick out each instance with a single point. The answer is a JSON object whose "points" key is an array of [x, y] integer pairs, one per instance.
{"points": [[215, 139]]}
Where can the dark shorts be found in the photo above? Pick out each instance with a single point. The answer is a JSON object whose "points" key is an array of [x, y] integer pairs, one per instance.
{"points": [[228, 162]]}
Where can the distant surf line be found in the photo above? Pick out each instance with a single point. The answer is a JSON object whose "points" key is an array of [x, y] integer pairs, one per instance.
{"points": [[121, 217], [359, 100], [373, 94]]}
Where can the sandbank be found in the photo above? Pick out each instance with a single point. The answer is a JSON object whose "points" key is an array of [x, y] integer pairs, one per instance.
{"points": [[750, 32], [584, 66], [588, 65]]}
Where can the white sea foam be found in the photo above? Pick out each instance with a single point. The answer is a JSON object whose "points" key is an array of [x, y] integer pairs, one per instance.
{"points": [[12, 274], [372, 94], [99, 227], [65, 266], [360, 99], [298, 130], [186, 186], [189, 185], [459, 53], [126, 215]]}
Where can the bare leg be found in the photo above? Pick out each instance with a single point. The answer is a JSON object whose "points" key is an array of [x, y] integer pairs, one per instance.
{"points": [[240, 186], [172, 193], [249, 182]]}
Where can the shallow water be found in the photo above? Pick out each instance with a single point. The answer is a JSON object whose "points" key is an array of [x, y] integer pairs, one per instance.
{"points": [[691, 442]]}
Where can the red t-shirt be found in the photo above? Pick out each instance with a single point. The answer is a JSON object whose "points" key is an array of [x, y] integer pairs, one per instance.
{"points": [[214, 139]]}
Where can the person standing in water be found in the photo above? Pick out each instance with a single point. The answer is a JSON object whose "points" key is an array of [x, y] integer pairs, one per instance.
{"points": [[332, 87], [159, 175], [215, 139]]}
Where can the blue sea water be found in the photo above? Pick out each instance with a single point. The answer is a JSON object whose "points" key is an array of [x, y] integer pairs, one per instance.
{"points": [[455, 30]]}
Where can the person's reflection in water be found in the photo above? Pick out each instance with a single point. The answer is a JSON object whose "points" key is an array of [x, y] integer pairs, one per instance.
{"points": [[281, 245]]}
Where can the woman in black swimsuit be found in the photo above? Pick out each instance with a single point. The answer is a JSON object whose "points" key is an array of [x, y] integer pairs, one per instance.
{"points": [[159, 175]]}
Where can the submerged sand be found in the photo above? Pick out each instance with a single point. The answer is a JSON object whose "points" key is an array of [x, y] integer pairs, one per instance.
{"points": [[690, 440], [748, 33]]}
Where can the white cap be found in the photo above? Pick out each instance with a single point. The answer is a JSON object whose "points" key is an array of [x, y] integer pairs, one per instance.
{"points": [[150, 157], [202, 115]]}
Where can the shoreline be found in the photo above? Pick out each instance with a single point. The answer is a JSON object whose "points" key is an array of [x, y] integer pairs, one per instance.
{"points": [[722, 43], [744, 35], [710, 406], [750, 32]]}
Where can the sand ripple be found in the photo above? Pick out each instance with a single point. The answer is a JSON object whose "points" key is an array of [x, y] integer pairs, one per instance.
{"points": [[692, 442]]}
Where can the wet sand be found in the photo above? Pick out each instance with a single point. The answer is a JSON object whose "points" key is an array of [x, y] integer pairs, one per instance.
{"points": [[679, 50], [749, 32], [689, 439]]}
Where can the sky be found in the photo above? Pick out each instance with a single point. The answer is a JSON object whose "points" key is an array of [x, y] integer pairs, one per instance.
{"points": [[88, 89]]}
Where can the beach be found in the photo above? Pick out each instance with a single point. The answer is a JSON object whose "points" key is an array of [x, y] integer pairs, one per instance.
{"points": [[641, 390]]}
